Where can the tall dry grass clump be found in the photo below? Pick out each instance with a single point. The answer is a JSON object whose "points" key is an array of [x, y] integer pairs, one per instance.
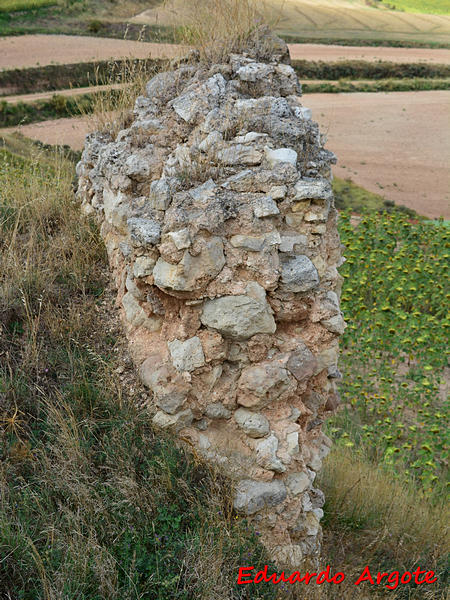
{"points": [[217, 28]]}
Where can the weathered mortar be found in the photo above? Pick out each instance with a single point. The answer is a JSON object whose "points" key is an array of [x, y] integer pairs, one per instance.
{"points": [[218, 217]]}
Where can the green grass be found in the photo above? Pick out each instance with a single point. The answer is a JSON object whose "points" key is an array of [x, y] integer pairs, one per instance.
{"points": [[355, 199], [432, 7], [8, 6], [56, 107], [383, 85]]}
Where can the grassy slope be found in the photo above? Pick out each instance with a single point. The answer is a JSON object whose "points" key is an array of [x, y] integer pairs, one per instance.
{"points": [[94, 505], [431, 7]]}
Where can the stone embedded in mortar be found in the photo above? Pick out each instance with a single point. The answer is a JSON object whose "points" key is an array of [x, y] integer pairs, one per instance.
{"points": [[192, 272], [239, 317], [253, 424], [298, 274], [252, 496], [217, 213], [187, 355]]}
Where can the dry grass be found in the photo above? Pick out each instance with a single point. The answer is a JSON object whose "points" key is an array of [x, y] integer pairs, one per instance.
{"points": [[217, 28], [112, 110]]}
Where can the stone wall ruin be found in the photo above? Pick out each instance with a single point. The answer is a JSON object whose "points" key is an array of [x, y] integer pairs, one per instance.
{"points": [[217, 212]]}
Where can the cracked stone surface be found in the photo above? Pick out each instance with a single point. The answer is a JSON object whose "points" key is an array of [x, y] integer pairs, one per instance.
{"points": [[217, 213]]}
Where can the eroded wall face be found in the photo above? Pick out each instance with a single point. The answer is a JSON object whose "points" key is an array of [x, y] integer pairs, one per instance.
{"points": [[217, 214]]}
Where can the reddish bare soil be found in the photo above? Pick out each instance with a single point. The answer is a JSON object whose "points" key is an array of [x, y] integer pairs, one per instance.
{"points": [[372, 54], [394, 144], [32, 50]]}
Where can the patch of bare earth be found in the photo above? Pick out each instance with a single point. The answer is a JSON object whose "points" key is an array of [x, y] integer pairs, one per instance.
{"points": [[18, 52], [395, 144], [32, 50]]}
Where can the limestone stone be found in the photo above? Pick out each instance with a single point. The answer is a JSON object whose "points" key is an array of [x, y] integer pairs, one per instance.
{"points": [[216, 410], [144, 231], [307, 525], [187, 355], [177, 421], [255, 425], [335, 324], [298, 274], [288, 242], [265, 207], [160, 194], [171, 403], [297, 483], [302, 362], [239, 317], [292, 443], [137, 167], [262, 384], [180, 238], [143, 266], [239, 154], [192, 272], [253, 496], [281, 155], [136, 315], [313, 189], [254, 71], [266, 454]]}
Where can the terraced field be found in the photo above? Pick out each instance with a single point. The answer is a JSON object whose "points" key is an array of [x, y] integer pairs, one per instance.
{"points": [[335, 19]]}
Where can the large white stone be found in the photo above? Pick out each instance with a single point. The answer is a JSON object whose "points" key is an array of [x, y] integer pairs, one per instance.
{"points": [[143, 266], [137, 316], [192, 272], [313, 189], [265, 207], [281, 155], [266, 454], [143, 231], [298, 483], [252, 496], [238, 317], [335, 324], [255, 425], [180, 238], [177, 421], [186, 355], [298, 274]]}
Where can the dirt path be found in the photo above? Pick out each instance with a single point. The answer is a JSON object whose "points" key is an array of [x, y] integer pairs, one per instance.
{"points": [[33, 50], [69, 93], [394, 144]]}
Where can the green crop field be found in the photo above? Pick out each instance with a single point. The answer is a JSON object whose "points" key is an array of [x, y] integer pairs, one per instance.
{"points": [[432, 7], [395, 349], [7, 6]]}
